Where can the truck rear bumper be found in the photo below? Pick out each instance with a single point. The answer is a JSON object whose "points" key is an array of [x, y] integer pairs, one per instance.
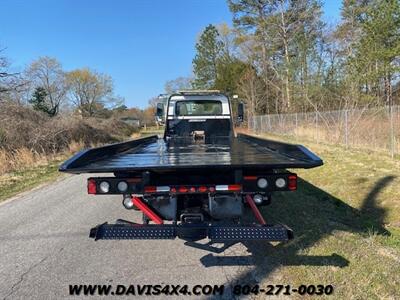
{"points": [[217, 233]]}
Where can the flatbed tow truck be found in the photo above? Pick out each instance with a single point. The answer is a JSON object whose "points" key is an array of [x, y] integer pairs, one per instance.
{"points": [[197, 180]]}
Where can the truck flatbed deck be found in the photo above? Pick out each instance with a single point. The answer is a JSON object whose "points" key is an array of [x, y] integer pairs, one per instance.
{"points": [[157, 154]]}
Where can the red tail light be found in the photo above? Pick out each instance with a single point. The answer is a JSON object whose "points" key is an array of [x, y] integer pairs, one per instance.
{"points": [[192, 189], [150, 189], [235, 187], [292, 184], [183, 189], [91, 186], [250, 177], [202, 189], [173, 190]]}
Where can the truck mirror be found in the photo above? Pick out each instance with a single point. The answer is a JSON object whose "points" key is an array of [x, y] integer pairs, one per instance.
{"points": [[160, 110], [240, 112]]}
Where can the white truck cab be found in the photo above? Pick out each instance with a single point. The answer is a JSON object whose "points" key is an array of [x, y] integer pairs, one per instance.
{"points": [[197, 113]]}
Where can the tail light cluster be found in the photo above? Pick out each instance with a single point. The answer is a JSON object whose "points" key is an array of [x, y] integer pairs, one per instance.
{"points": [[112, 185], [271, 182], [251, 184]]}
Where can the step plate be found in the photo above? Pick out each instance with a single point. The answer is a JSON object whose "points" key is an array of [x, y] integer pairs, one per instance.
{"points": [[169, 231], [244, 233], [132, 232]]}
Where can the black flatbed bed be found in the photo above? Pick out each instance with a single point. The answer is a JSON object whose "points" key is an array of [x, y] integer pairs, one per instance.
{"points": [[158, 155]]}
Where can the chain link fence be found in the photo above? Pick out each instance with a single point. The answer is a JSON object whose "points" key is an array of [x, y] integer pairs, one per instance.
{"points": [[372, 128]]}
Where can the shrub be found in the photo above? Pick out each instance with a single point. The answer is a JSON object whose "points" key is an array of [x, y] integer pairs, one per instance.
{"points": [[28, 136]]}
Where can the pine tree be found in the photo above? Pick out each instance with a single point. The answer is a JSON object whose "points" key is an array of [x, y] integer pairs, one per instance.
{"points": [[209, 49], [39, 103], [379, 47]]}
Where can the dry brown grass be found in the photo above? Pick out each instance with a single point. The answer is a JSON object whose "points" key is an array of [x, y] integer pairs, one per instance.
{"points": [[75, 146], [21, 159], [346, 220], [370, 130], [29, 138], [22, 127]]}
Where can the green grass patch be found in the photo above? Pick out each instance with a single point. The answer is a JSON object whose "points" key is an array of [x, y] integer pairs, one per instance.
{"points": [[151, 131], [16, 182], [346, 220]]}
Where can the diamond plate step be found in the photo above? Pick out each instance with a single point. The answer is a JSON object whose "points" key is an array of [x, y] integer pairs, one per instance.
{"points": [[244, 233], [132, 232], [216, 233]]}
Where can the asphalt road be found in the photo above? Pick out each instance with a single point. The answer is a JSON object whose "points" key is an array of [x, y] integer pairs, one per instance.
{"points": [[44, 247]]}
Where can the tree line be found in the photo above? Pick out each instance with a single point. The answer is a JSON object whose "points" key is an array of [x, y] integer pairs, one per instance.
{"points": [[47, 87], [280, 56]]}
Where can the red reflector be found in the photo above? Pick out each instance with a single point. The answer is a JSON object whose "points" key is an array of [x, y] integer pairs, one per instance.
{"points": [[202, 189], [211, 189], [150, 189], [192, 189], [234, 187], [130, 180], [292, 184], [91, 186], [183, 189], [250, 177]]}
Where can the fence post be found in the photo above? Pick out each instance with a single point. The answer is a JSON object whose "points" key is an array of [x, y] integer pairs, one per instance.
{"points": [[316, 126], [269, 123], [263, 127], [392, 143], [346, 129]]}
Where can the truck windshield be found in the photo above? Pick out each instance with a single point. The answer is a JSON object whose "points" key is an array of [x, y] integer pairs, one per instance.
{"points": [[198, 108]]}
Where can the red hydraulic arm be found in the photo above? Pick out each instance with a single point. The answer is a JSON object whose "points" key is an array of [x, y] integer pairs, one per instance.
{"points": [[255, 210], [146, 210]]}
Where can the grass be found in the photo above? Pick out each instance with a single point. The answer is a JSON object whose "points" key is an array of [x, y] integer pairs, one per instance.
{"points": [[346, 220], [26, 169], [152, 130], [15, 182]]}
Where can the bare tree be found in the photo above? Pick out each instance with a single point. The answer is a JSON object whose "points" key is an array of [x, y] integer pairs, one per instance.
{"points": [[89, 91], [47, 73], [11, 83], [180, 83]]}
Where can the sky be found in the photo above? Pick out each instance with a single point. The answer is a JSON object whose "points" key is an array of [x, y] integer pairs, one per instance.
{"points": [[140, 43]]}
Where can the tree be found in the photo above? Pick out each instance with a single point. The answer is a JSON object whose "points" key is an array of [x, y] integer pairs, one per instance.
{"points": [[11, 83], [229, 70], [148, 116], [347, 35], [89, 91], [47, 73], [283, 36], [180, 83], [252, 88], [208, 50], [377, 52], [39, 102], [120, 108]]}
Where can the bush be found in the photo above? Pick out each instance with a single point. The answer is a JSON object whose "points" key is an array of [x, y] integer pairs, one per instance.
{"points": [[22, 127]]}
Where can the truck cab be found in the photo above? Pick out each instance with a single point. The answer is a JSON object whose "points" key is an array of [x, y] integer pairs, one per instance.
{"points": [[198, 115]]}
